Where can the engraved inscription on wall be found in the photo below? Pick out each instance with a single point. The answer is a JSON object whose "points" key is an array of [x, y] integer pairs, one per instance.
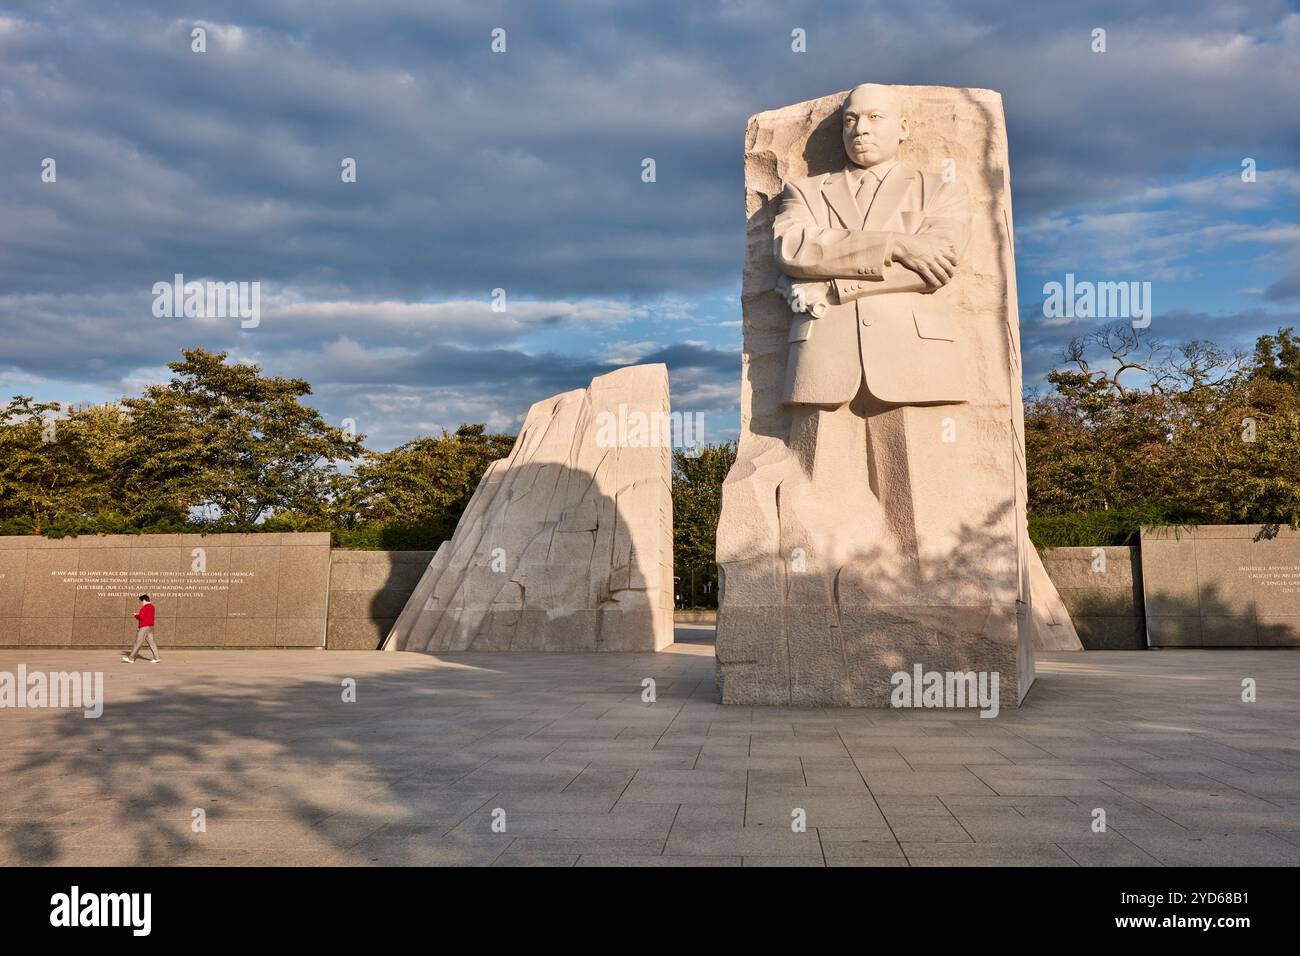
{"points": [[157, 584], [1286, 577]]}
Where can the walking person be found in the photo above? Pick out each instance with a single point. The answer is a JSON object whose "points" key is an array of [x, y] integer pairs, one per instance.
{"points": [[144, 632]]}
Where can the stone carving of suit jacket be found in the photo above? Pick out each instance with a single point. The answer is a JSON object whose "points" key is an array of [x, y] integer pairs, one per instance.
{"points": [[881, 322]]}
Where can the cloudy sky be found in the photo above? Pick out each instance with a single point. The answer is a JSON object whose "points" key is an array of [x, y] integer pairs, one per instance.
{"points": [[522, 171]]}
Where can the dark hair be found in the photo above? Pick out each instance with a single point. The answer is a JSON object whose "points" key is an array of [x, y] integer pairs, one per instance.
{"points": [[144, 597]]}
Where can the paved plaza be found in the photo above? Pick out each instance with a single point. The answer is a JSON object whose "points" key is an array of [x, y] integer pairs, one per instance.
{"points": [[562, 749]]}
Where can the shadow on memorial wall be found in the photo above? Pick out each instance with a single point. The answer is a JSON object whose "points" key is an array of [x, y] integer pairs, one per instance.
{"points": [[388, 602], [1213, 621]]}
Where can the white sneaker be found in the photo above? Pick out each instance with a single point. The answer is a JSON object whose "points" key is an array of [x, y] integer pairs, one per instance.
{"points": [[155, 660], [127, 660]]}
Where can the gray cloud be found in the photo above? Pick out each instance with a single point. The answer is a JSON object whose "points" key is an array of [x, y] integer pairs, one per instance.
{"points": [[1285, 289], [522, 171]]}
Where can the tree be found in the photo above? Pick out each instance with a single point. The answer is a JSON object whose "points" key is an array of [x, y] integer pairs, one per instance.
{"points": [[427, 481], [1277, 358], [61, 468], [237, 444], [697, 502], [1152, 434]]}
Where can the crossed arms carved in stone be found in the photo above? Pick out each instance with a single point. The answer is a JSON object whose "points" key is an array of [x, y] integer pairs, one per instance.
{"points": [[840, 264]]}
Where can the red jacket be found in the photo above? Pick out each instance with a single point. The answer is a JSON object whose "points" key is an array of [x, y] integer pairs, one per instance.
{"points": [[145, 616]]}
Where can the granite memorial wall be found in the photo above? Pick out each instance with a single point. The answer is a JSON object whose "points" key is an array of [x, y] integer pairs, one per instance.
{"points": [[218, 590], [1222, 586]]}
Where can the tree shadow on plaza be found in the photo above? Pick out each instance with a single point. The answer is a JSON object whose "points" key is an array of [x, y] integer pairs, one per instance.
{"points": [[295, 767]]}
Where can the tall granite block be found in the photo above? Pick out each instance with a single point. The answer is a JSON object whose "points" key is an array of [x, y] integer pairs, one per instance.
{"points": [[566, 544], [875, 516]]}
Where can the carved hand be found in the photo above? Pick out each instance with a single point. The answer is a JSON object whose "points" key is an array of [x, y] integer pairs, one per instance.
{"points": [[933, 259], [810, 297]]}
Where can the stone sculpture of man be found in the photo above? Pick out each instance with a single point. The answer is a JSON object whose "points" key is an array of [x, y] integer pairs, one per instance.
{"points": [[875, 360]]}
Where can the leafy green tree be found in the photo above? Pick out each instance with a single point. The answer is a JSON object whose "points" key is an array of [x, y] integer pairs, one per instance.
{"points": [[238, 444], [427, 481], [1148, 434], [1277, 358], [61, 468], [697, 502]]}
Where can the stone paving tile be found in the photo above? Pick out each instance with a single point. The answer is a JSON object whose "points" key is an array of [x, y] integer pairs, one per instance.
{"points": [[926, 782], [582, 846], [270, 835], [1291, 836], [1232, 817], [1009, 826], [986, 854], [1203, 848], [514, 746], [590, 774], [601, 778], [643, 821], [1046, 787], [955, 801], [694, 742], [568, 801], [432, 851], [1120, 818], [881, 763], [598, 859], [707, 762], [846, 781], [773, 745], [583, 748], [873, 834], [794, 777], [1265, 785], [929, 758], [1107, 853], [512, 858], [511, 774], [864, 854], [657, 786], [929, 830], [823, 807], [613, 760], [720, 831], [779, 861], [907, 804]]}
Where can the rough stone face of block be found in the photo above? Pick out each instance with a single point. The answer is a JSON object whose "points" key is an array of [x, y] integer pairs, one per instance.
{"points": [[1053, 630], [566, 544], [831, 586]]}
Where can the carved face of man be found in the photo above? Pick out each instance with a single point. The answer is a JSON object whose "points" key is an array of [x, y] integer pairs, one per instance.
{"points": [[874, 124]]}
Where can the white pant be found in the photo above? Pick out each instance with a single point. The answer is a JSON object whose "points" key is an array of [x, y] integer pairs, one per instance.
{"points": [[142, 635]]}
